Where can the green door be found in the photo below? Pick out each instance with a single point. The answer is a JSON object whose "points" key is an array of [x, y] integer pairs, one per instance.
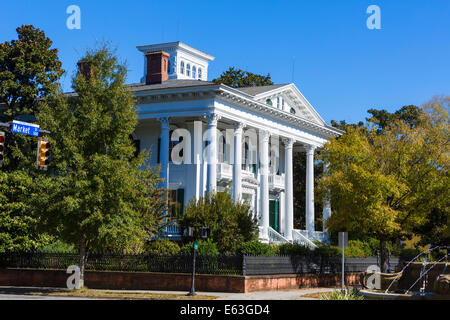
{"points": [[274, 215]]}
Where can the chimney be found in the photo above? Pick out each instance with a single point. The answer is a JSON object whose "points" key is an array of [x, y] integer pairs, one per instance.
{"points": [[157, 67]]}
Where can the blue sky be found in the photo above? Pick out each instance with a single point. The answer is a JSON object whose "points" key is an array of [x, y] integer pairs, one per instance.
{"points": [[324, 47]]}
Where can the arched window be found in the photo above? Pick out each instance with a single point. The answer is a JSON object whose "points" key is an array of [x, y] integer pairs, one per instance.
{"points": [[199, 73], [188, 70], [292, 110], [194, 72], [182, 67], [269, 102]]}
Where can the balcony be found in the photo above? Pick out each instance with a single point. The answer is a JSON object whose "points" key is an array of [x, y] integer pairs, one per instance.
{"points": [[276, 182], [224, 172]]}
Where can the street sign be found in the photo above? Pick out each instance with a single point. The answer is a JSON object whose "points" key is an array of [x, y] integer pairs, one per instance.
{"points": [[26, 128]]}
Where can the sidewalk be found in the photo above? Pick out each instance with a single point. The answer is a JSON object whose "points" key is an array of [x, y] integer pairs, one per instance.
{"points": [[23, 293]]}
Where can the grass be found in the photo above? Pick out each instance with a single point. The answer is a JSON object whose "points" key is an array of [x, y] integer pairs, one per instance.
{"points": [[123, 295], [335, 295]]}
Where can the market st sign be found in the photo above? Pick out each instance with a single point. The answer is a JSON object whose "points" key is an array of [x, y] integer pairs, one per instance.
{"points": [[26, 128]]}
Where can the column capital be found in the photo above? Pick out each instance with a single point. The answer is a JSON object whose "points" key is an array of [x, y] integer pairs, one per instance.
{"points": [[288, 143], [264, 134], [310, 148], [213, 118], [165, 122], [238, 126]]}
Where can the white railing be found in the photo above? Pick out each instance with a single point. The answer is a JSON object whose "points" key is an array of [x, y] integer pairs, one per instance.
{"points": [[276, 181], [315, 235], [275, 237], [172, 228], [298, 237], [224, 171]]}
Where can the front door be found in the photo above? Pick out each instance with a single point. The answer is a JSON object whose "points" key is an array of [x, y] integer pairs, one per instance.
{"points": [[274, 215]]}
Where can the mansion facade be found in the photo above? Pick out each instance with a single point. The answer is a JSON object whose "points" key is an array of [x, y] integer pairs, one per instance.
{"points": [[210, 137]]}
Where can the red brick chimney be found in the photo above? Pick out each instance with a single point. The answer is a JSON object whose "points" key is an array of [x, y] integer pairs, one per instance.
{"points": [[157, 67]]}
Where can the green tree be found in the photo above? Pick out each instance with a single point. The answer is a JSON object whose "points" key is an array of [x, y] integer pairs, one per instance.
{"points": [[19, 228], [29, 72], [230, 223], [237, 78], [387, 183], [101, 197]]}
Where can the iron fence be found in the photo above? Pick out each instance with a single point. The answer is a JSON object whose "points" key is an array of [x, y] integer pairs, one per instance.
{"points": [[222, 264]]}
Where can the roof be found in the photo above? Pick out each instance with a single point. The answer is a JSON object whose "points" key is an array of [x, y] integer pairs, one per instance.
{"points": [[176, 44], [169, 84], [253, 91]]}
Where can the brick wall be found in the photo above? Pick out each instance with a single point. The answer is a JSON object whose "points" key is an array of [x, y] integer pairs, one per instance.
{"points": [[171, 281]]}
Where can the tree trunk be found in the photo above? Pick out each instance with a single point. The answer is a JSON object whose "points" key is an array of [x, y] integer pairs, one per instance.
{"points": [[383, 256], [82, 261]]}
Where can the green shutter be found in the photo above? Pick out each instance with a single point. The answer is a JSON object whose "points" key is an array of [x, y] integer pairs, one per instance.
{"points": [[180, 201]]}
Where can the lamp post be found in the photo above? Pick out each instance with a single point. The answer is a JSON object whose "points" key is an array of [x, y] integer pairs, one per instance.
{"points": [[195, 232]]}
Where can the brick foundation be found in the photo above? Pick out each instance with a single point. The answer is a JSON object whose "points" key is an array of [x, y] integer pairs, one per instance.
{"points": [[171, 281]]}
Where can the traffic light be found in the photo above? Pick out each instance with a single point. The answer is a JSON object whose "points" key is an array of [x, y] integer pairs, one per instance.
{"points": [[2, 146], [43, 157]]}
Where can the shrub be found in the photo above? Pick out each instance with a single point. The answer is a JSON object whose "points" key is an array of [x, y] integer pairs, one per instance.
{"points": [[57, 246], [230, 223], [257, 248], [163, 247], [328, 251], [408, 254], [295, 249], [339, 295], [205, 248]]}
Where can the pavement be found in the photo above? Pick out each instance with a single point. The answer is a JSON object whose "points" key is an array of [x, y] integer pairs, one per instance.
{"points": [[23, 293]]}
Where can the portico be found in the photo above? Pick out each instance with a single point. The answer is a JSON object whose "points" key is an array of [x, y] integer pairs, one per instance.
{"points": [[209, 137]]}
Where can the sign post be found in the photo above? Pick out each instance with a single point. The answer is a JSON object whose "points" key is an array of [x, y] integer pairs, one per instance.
{"points": [[343, 243]]}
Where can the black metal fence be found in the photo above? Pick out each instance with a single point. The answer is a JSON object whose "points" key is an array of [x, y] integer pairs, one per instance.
{"points": [[225, 265]]}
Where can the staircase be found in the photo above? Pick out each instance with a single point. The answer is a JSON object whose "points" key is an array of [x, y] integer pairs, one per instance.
{"points": [[297, 237]]}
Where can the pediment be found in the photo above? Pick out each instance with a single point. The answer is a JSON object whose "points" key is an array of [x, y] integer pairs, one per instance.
{"points": [[290, 99]]}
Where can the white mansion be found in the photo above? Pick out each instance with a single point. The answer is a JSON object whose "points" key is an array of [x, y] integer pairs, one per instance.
{"points": [[210, 137]]}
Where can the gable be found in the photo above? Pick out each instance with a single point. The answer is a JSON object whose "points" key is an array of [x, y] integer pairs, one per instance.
{"points": [[288, 98]]}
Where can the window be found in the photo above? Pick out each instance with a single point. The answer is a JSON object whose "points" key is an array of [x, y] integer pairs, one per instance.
{"points": [[171, 145], [188, 70], [199, 73], [292, 110], [176, 203], [278, 102], [182, 67], [194, 71], [269, 102]]}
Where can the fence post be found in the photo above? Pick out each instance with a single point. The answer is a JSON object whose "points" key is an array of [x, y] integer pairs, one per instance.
{"points": [[244, 265]]}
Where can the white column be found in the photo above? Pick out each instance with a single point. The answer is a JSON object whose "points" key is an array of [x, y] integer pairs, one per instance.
{"points": [[289, 188], [198, 154], [237, 162], [212, 151], [264, 182], [282, 211], [326, 202], [310, 189], [164, 150]]}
